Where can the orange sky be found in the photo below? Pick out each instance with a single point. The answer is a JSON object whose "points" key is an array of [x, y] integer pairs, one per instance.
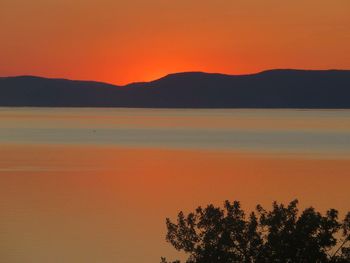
{"points": [[121, 41]]}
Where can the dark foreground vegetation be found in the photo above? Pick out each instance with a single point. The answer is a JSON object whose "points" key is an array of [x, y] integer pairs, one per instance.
{"points": [[283, 234]]}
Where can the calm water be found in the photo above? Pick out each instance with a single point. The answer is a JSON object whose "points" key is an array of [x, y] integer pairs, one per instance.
{"points": [[95, 185]]}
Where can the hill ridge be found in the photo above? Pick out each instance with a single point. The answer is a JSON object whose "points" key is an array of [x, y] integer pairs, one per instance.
{"points": [[277, 88]]}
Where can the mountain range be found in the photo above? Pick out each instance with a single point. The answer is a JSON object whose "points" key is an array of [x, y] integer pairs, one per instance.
{"points": [[280, 88]]}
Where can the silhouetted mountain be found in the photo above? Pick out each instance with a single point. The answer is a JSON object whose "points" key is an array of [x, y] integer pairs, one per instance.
{"points": [[268, 89]]}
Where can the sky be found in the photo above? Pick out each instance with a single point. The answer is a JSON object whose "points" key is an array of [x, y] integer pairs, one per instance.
{"points": [[122, 41]]}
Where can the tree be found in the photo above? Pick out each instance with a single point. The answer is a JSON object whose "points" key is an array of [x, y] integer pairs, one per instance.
{"points": [[228, 235]]}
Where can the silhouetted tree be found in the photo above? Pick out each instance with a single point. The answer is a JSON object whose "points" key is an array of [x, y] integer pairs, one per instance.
{"points": [[216, 235]]}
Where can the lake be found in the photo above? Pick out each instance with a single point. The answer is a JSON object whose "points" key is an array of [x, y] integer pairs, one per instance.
{"points": [[95, 185]]}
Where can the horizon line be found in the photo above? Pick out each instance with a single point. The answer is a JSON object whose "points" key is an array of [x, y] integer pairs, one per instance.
{"points": [[169, 74]]}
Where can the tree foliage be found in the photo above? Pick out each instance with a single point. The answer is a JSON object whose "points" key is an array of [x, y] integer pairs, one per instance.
{"points": [[283, 234]]}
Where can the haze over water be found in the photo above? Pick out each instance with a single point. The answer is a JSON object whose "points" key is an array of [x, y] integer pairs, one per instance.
{"points": [[95, 185]]}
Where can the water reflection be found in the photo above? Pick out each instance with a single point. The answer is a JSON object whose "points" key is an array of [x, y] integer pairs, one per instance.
{"points": [[79, 200]]}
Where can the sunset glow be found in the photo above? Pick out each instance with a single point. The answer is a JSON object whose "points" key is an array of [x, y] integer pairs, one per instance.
{"points": [[126, 41], [152, 131]]}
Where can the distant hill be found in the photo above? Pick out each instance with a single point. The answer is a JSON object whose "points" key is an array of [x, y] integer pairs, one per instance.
{"points": [[269, 89]]}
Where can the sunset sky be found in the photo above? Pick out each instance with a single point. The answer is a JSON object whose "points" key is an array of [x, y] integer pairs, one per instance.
{"points": [[135, 40]]}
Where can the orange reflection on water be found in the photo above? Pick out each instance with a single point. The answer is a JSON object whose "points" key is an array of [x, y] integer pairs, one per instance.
{"points": [[108, 204]]}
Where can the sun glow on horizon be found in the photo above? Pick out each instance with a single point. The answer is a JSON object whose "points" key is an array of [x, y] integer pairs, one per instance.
{"points": [[141, 40]]}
